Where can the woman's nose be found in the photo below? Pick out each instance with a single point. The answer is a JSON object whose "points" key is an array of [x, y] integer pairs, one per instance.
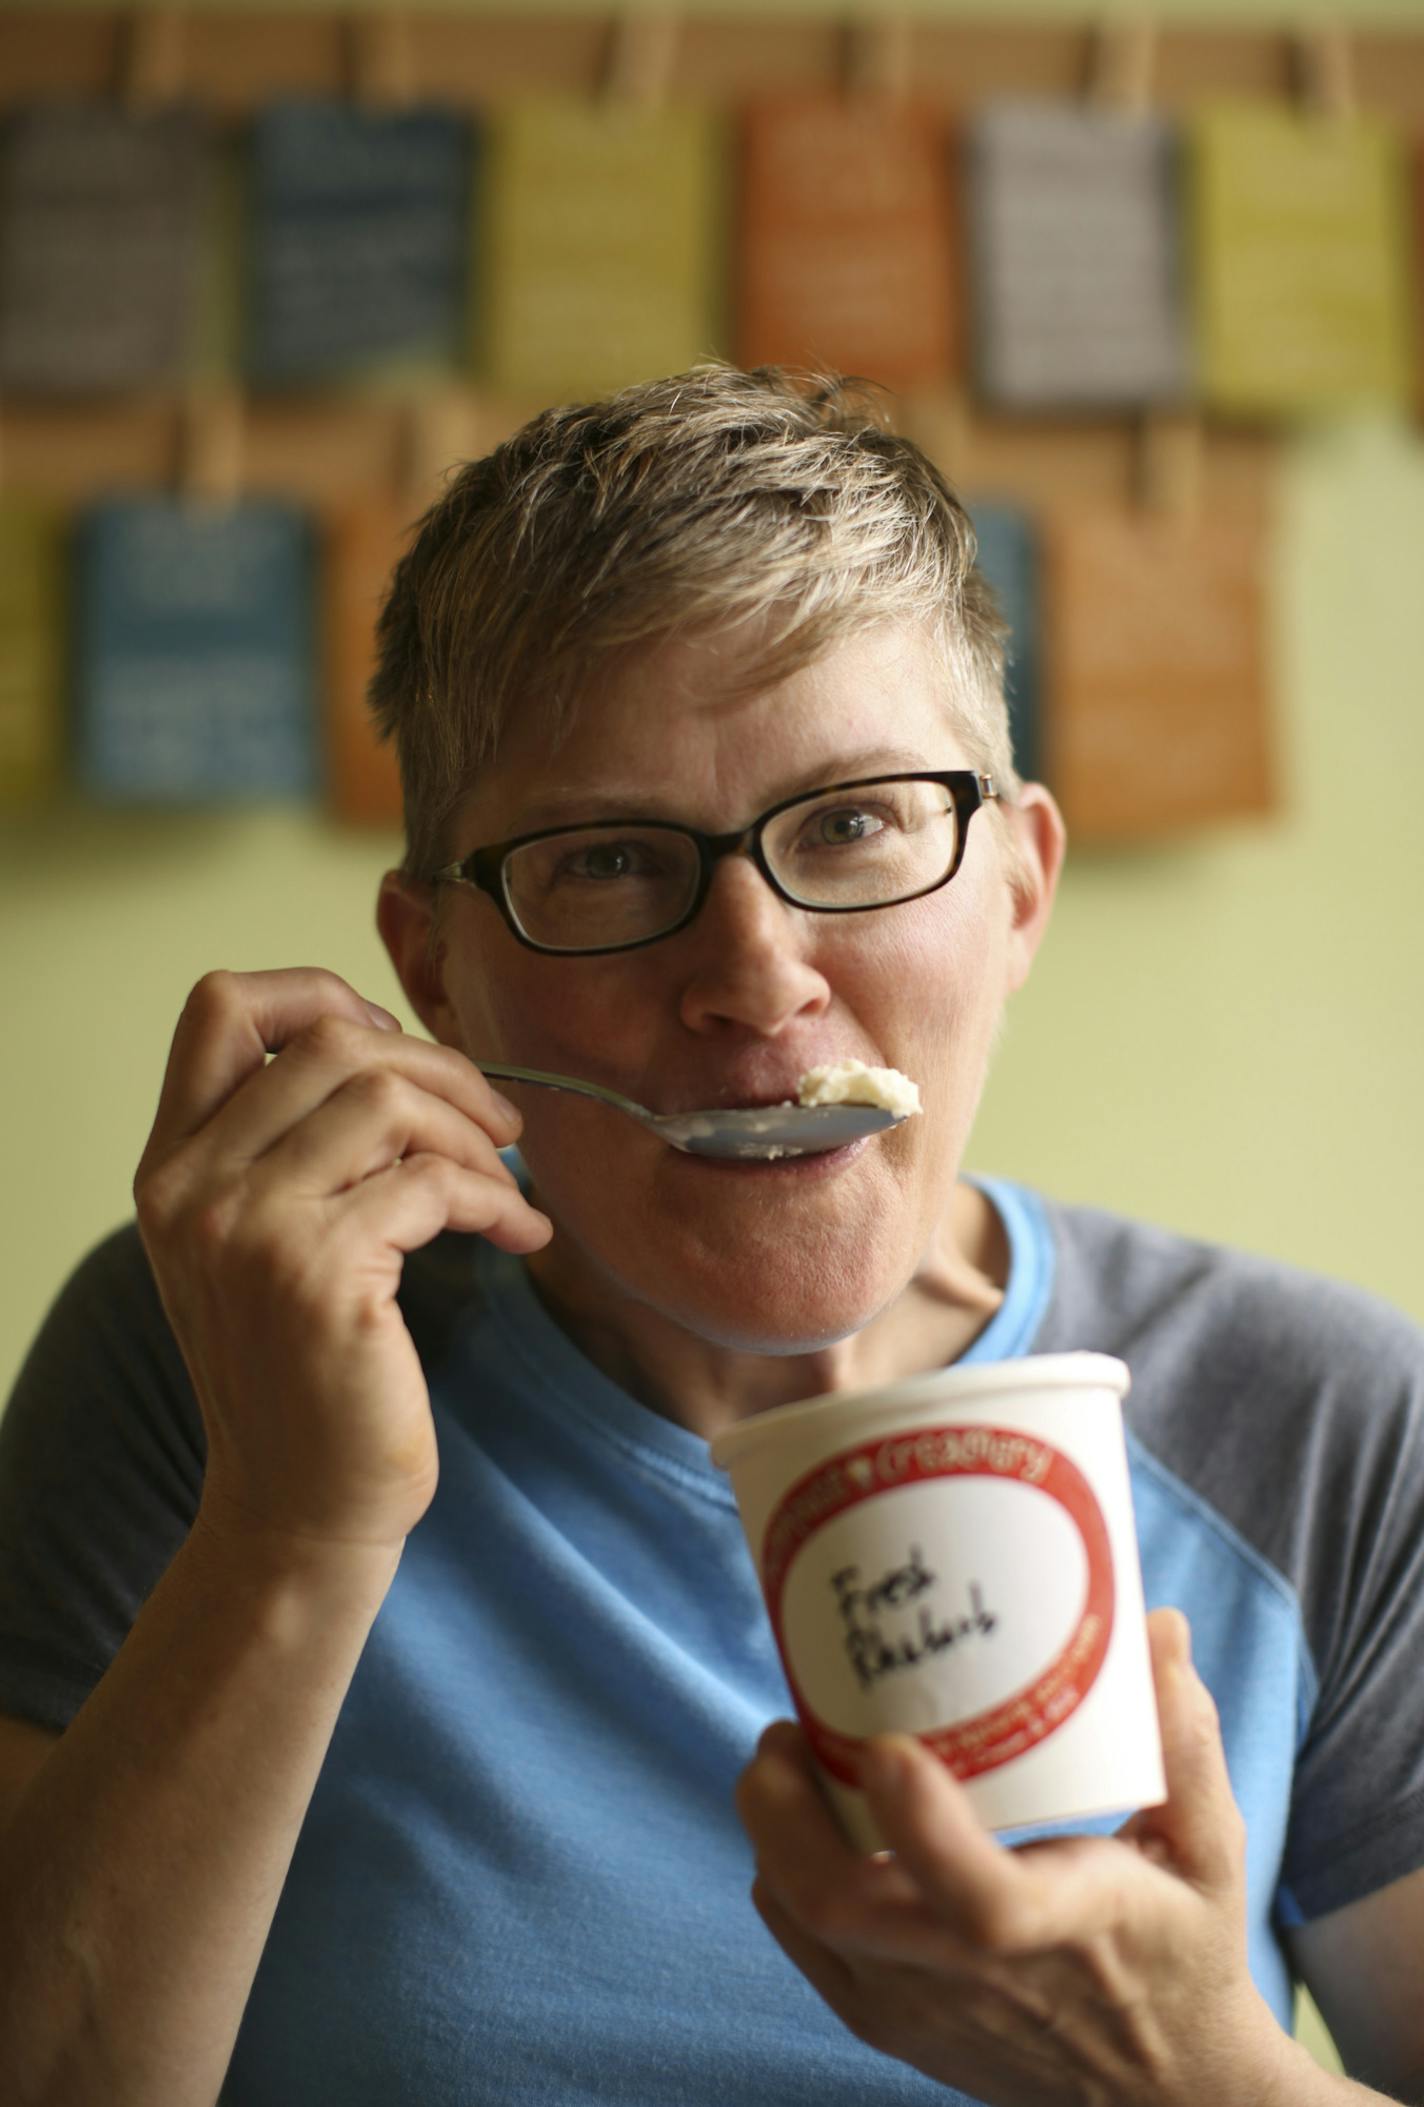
{"points": [[746, 961]]}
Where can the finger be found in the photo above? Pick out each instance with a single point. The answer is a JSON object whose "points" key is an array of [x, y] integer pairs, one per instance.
{"points": [[409, 1205], [980, 1890], [836, 1893], [1199, 1827], [367, 1124], [229, 1025], [323, 1061]]}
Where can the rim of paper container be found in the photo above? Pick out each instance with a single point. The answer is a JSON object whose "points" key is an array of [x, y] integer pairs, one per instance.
{"points": [[1066, 1371]]}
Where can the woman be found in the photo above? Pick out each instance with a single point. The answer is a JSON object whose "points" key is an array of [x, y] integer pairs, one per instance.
{"points": [[381, 1650]]}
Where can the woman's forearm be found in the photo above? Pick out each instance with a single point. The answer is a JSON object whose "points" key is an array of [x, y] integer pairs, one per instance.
{"points": [[140, 1874]]}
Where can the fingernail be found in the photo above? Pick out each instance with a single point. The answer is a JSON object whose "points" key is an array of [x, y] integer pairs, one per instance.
{"points": [[382, 1019], [511, 1112]]}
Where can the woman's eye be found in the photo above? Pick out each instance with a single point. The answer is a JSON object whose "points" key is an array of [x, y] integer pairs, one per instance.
{"points": [[845, 825], [605, 860]]}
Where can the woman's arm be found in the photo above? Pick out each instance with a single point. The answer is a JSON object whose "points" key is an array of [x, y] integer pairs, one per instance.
{"points": [[277, 1200], [1364, 1966], [141, 1867]]}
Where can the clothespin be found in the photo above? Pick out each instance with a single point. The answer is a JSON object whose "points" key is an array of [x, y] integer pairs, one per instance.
{"points": [[381, 60], [1122, 67], [439, 432], [212, 447], [155, 59], [1169, 465], [1325, 71], [942, 426], [876, 56], [639, 58]]}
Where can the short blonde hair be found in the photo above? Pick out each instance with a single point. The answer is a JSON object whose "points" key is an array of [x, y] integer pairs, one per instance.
{"points": [[713, 498]]}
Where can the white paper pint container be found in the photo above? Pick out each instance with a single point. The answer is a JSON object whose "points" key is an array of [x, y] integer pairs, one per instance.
{"points": [[954, 1556]]}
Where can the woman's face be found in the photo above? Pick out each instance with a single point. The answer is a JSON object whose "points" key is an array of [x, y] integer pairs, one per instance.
{"points": [[774, 1257]]}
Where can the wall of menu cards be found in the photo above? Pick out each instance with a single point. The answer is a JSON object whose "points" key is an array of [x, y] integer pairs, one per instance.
{"points": [[261, 283]]}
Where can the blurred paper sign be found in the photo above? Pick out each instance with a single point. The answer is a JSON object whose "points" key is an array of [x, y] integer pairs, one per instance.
{"points": [[1417, 233], [1157, 716], [101, 217], [602, 245], [32, 633], [846, 251], [362, 545], [359, 234], [1008, 557], [1073, 221], [194, 651], [1302, 260]]}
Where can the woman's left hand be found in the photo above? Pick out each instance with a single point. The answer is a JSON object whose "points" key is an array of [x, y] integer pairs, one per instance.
{"points": [[1110, 1969]]}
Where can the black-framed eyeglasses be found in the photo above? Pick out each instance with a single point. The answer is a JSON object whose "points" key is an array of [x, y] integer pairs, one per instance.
{"points": [[618, 883]]}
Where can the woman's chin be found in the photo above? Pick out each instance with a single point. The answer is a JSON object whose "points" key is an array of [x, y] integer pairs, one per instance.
{"points": [[774, 1307]]}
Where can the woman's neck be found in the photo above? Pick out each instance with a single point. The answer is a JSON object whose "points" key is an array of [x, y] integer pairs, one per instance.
{"points": [[705, 1385]]}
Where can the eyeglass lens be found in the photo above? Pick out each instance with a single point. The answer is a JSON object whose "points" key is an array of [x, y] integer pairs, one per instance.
{"points": [[592, 888]]}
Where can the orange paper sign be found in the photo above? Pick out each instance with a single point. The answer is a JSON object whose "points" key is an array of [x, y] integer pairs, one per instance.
{"points": [[363, 545], [1157, 713], [847, 252]]}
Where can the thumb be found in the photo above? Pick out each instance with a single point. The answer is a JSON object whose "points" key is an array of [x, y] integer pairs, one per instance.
{"points": [[1198, 1830]]}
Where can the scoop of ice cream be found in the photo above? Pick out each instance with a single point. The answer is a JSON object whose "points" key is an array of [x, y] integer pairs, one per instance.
{"points": [[856, 1083]]}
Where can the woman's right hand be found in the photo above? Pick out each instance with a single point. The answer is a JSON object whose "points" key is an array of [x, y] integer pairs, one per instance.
{"points": [[277, 1200]]}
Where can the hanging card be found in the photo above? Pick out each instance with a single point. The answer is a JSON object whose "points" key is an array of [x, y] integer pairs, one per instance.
{"points": [[359, 234], [847, 239], [1008, 557], [194, 651], [32, 698], [1302, 268], [362, 546], [101, 218], [1157, 717], [601, 246], [1075, 264]]}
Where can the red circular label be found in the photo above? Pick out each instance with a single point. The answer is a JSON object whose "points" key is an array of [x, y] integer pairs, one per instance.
{"points": [[879, 1468]]}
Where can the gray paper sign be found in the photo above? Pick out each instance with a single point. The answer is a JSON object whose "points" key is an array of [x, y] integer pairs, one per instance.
{"points": [[1074, 242], [100, 223]]}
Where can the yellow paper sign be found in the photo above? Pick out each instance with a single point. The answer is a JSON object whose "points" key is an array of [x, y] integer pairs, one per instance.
{"points": [[32, 623], [601, 236], [1302, 260]]}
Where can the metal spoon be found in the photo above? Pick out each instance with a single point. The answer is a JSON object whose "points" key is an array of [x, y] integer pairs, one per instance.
{"points": [[765, 1131]]}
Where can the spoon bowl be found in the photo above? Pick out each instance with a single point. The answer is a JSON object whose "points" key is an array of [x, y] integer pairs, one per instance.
{"points": [[753, 1132]]}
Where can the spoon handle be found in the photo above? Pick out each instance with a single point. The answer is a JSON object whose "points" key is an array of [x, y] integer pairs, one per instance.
{"points": [[507, 1071]]}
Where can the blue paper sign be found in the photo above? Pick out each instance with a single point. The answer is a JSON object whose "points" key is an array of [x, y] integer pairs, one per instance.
{"points": [[1008, 557], [359, 238], [194, 651]]}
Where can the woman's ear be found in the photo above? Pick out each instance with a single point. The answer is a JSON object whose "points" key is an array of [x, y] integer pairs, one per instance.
{"points": [[408, 918], [1040, 840]]}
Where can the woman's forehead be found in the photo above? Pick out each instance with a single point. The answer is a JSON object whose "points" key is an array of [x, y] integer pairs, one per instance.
{"points": [[686, 731]]}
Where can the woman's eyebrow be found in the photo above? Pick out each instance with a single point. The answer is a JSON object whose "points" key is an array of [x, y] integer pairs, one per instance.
{"points": [[609, 801]]}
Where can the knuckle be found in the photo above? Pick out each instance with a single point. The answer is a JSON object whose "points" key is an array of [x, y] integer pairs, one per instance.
{"points": [[865, 2019], [331, 1038], [825, 1911], [215, 995], [381, 1093], [1002, 1924]]}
